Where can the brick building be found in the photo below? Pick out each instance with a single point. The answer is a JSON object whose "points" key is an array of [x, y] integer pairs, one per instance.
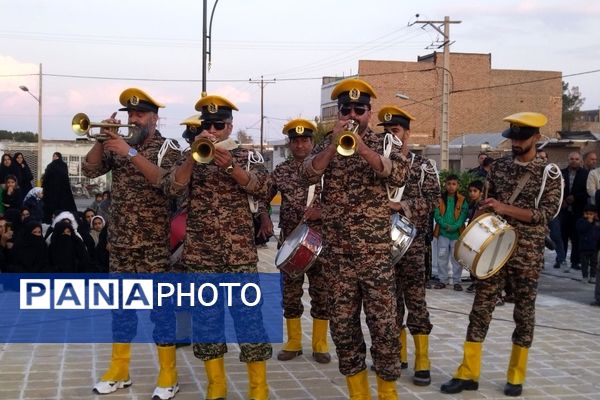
{"points": [[480, 96]]}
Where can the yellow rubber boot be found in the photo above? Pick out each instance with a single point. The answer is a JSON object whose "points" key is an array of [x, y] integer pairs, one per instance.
{"points": [[358, 386], [422, 353], [119, 363], [257, 380], [167, 358], [403, 349], [471, 365], [517, 366], [320, 347], [293, 347], [386, 390], [217, 382]]}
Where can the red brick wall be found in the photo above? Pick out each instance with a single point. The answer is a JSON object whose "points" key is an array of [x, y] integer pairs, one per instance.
{"points": [[472, 111]]}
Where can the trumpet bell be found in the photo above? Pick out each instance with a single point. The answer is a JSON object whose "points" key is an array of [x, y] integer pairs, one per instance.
{"points": [[82, 126], [347, 143], [203, 151]]}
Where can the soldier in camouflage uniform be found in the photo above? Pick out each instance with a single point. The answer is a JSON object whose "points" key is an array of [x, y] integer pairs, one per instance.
{"points": [[357, 244], [220, 237], [529, 213], [138, 231], [299, 203], [418, 200]]}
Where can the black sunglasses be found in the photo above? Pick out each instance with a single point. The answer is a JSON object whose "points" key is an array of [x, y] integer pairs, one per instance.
{"points": [[358, 110], [219, 125]]}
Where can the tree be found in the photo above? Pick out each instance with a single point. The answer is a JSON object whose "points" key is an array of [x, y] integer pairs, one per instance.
{"points": [[243, 137], [18, 136], [571, 104]]}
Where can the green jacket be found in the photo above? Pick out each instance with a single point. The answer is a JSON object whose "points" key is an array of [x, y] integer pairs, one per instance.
{"points": [[450, 218]]}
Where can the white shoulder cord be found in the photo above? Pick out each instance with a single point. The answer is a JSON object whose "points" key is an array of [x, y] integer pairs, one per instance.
{"points": [[394, 193], [167, 144], [553, 171], [426, 169], [254, 157]]}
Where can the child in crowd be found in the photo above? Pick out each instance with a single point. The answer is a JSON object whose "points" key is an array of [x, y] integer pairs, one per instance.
{"points": [[450, 216], [588, 232], [475, 196]]}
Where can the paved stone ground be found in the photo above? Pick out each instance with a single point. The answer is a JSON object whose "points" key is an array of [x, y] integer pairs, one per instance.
{"points": [[564, 360]]}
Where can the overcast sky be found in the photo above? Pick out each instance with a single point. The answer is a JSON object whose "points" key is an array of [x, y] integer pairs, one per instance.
{"points": [[296, 42]]}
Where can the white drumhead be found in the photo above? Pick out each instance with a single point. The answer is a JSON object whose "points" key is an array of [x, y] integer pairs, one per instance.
{"points": [[288, 248], [495, 255]]}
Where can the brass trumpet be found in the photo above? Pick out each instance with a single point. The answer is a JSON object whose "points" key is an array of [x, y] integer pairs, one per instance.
{"points": [[82, 126], [203, 149], [347, 140]]}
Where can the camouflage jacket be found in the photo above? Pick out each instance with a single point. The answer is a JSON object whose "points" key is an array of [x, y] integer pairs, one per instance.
{"points": [[503, 180], [421, 191], [354, 200], [294, 194], [139, 211], [219, 226]]}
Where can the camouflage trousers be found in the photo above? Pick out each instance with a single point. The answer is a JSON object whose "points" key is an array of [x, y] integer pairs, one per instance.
{"points": [[521, 273], [317, 290], [141, 260], [251, 319], [410, 283], [355, 280]]}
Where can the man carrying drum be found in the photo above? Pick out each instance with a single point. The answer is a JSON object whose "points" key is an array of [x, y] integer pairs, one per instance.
{"points": [[538, 192], [417, 201], [357, 244], [300, 203]]}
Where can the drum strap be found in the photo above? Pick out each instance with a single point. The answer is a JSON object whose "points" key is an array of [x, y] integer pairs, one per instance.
{"points": [[520, 186], [311, 195]]}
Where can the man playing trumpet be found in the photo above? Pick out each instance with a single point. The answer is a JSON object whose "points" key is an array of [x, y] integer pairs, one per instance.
{"points": [[220, 237], [138, 229], [357, 243]]}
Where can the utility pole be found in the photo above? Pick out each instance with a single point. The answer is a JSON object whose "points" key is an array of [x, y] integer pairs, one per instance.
{"points": [[262, 83], [444, 137], [206, 41], [39, 143]]}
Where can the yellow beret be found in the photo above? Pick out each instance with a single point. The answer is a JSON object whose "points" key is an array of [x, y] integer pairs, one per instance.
{"points": [[215, 107], [192, 120], [524, 125], [137, 99], [299, 127], [353, 90], [532, 119], [393, 115]]}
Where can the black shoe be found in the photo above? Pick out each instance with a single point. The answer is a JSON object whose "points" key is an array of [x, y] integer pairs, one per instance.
{"points": [[422, 378], [456, 385], [403, 365], [513, 390], [471, 288], [595, 303]]}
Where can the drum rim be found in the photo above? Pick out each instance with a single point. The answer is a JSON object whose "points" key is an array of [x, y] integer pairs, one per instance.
{"points": [[485, 245], [302, 238]]}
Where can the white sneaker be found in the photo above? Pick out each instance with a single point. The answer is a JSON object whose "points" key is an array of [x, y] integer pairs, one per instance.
{"points": [[106, 387], [162, 393]]}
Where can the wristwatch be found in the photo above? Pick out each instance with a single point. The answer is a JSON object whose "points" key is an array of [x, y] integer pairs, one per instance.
{"points": [[229, 170], [131, 153]]}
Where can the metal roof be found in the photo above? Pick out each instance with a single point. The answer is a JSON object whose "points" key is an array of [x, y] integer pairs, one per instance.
{"points": [[494, 139]]}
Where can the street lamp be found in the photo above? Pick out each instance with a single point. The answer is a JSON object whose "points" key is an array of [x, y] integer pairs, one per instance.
{"points": [[206, 39], [38, 98]]}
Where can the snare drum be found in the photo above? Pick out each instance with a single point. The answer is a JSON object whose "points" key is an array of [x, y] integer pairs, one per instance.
{"points": [[403, 233], [485, 245], [299, 251]]}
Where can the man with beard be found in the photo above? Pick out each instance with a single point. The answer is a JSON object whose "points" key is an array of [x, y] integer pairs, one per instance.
{"points": [[357, 245], [525, 191], [418, 200], [138, 229]]}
